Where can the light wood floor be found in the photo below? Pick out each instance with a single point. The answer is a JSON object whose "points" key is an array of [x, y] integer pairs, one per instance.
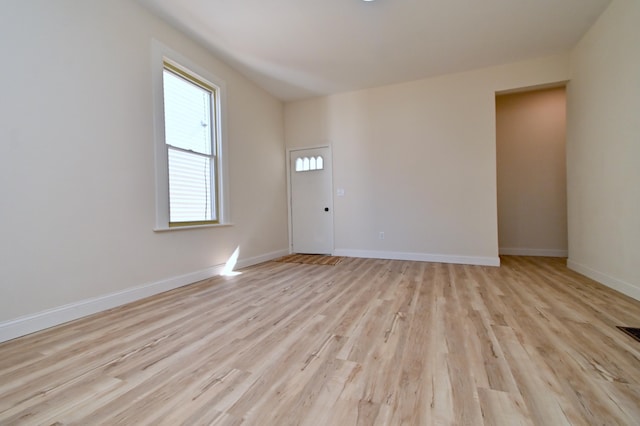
{"points": [[366, 342]]}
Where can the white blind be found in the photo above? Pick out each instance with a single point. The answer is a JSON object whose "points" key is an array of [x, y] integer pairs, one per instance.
{"points": [[189, 136], [189, 187]]}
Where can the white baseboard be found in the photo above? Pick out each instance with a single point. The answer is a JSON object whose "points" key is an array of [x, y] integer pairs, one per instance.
{"points": [[532, 252], [51, 317], [250, 261], [614, 283], [420, 257]]}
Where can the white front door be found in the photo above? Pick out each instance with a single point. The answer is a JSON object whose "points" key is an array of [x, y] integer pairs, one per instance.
{"points": [[311, 201]]}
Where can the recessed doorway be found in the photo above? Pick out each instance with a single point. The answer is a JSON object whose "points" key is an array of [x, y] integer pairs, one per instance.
{"points": [[531, 172]]}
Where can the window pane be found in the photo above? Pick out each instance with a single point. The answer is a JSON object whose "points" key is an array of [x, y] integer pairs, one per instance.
{"points": [[187, 114], [320, 163], [189, 187]]}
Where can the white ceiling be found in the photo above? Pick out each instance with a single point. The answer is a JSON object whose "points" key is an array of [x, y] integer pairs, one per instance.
{"points": [[302, 48]]}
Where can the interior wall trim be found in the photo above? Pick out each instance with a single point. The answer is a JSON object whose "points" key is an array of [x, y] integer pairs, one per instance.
{"points": [[32, 323], [420, 257], [611, 282], [512, 251]]}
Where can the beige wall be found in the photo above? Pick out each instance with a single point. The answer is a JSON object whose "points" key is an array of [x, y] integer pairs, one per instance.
{"points": [[77, 171], [417, 161], [603, 150], [532, 189]]}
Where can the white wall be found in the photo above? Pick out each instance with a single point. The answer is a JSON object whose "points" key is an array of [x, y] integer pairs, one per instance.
{"points": [[603, 150], [76, 163], [417, 161], [532, 184]]}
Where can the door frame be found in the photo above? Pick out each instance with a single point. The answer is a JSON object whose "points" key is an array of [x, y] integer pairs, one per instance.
{"points": [[288, 152]]}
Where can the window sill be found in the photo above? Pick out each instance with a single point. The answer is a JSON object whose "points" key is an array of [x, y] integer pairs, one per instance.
{"points": [[184, 228]]}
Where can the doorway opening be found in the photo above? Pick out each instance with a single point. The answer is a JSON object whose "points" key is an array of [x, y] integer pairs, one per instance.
{"points": [[531, 172]]}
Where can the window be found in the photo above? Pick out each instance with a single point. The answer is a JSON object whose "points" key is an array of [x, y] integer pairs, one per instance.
{"points": [[190, 166], [306, 164], [190, 134]]}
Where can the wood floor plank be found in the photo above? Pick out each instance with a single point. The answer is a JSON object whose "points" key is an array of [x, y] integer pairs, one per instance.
{"points": [[503, 409], [364, 342]]}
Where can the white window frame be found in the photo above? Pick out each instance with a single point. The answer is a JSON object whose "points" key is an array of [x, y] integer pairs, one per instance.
{"points": [[162, 54]]}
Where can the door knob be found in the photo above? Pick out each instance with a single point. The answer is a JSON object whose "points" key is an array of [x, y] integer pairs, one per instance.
{"points": [[326, 209]]}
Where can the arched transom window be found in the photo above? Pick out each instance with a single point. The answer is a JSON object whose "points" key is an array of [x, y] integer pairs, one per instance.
{"points": [[307, 164]]}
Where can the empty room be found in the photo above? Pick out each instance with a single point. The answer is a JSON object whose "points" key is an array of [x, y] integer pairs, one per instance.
{"points": [[347, 212]]}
